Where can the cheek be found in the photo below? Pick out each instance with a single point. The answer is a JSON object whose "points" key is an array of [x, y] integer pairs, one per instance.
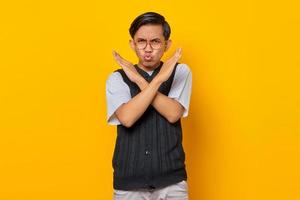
{"points": [[160, 53], [139, 53]]}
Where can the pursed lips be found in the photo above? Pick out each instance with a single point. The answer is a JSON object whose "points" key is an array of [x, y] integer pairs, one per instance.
{"points": [[148, 56]]}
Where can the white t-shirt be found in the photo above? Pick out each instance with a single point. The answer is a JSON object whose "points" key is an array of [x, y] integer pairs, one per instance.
{"points": [[118, 92]]}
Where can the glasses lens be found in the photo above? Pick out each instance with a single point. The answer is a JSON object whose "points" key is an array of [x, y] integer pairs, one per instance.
{"points": [[141, 44], [155, 44]]}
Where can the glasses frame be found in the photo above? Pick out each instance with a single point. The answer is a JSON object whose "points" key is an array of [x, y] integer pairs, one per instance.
{"points": [[162, 43]]}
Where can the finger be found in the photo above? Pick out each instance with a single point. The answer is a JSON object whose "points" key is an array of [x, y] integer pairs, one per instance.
{"points": [[115, 54], [122, 60], [119, 59], [176, 56], [125, 62], [178, 51]]}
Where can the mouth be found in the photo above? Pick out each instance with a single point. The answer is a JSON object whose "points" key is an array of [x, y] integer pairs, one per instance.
{"points": [[148, 57]]}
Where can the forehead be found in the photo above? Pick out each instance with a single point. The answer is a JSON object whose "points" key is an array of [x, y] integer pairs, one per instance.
{"points": [[150, 31]]}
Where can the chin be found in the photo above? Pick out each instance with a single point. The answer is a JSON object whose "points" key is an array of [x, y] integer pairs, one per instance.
{"points": [[150, 64]]}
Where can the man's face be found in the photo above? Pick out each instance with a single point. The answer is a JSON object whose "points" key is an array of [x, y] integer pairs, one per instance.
{"points": [[155, 45]]}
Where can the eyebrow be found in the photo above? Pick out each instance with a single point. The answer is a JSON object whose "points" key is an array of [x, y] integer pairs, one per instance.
{"points": [[151, 39]]}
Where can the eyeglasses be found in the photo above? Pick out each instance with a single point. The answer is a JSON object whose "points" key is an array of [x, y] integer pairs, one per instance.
{"points": [[142, 44]]}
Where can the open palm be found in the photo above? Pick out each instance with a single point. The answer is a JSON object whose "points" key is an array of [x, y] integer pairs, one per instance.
{"points": [[127, 66], [168, 66]]}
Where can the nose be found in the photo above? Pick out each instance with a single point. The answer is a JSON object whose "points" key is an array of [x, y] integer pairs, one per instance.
{"points": [[148, 47]]}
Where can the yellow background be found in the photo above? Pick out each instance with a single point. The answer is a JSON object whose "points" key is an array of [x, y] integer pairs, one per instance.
{"points": [[241, 136]]}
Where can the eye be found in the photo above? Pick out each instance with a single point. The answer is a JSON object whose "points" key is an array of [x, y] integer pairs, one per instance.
{"points": [[141, 40], [156, 41]]}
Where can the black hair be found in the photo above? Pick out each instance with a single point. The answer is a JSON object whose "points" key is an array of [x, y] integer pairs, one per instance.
{"points": [[150, 18]]}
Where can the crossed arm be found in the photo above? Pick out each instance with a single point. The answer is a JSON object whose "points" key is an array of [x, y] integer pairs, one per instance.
{"points": [[128, 113]]}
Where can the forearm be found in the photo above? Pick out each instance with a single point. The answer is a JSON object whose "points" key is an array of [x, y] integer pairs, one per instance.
{"points": [[169, 108], [131, 111]]}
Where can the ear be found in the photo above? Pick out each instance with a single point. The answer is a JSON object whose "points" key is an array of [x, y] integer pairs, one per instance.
{"points": [[131, 43], [168, 45]]}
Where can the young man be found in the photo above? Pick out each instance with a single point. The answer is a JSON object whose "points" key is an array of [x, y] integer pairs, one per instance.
{"points": [[146, 102]]}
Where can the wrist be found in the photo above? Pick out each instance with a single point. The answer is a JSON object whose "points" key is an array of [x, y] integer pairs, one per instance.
{"points": [[142, 83], [157, 80]]}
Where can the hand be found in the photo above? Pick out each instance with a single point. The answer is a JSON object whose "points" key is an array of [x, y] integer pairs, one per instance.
{"points": [[168, 66], [128, 68]]}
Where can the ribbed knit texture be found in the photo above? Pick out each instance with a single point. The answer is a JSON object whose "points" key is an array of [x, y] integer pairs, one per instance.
{"points": [[149, 154]]}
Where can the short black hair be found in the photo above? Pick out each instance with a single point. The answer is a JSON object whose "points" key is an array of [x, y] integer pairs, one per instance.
{"points": [[150, 18]]}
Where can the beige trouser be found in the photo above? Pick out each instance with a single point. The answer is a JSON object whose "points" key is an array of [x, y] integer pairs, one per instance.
{"points": [[178, 191]]}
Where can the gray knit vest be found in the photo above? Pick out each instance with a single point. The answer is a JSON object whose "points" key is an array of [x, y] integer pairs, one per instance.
{"points": [[149, 154]]}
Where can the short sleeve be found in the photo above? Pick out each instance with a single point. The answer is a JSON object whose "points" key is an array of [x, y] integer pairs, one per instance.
{"points": [[181, 87], [117, 93]]}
